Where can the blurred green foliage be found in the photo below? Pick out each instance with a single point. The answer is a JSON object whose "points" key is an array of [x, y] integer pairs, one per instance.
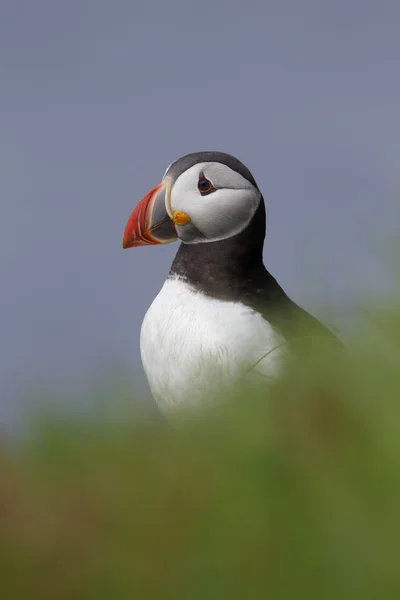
{"points": [[294, 494]]}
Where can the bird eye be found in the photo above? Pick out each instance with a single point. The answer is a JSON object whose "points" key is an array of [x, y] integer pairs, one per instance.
{"points": [[205, 186]]}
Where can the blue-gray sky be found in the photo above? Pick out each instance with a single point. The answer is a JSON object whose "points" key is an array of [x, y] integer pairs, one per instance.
{"points": [[98, 97]]}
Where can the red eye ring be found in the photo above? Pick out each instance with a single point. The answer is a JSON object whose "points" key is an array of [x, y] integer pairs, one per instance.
{"points": [[205, 186]]}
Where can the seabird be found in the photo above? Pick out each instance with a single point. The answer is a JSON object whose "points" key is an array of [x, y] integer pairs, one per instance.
{"points": [[220, 318]]}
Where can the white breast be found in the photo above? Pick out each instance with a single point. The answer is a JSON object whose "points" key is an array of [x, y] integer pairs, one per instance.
{"points": [[193, 345]]}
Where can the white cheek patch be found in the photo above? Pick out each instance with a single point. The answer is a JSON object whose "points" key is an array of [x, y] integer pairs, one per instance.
{"points": [[219, 215], [224, 213]]}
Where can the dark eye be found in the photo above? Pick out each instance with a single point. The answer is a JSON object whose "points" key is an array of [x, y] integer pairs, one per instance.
{"points": [[205, 186]]}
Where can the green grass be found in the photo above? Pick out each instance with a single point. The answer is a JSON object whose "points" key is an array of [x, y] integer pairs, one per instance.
{"points": [[294, 495]]}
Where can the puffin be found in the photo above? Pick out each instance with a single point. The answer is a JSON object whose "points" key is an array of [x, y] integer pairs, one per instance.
{"points": [[220, 318]]}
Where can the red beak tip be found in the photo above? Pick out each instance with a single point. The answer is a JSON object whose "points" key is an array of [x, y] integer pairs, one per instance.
{"points": [[126, 242]]}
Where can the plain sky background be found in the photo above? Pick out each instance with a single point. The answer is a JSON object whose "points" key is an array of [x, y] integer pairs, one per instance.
{"points": [[98, 97]]}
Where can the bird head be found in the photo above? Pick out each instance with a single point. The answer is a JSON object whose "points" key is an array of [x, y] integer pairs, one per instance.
{"points": [[203, 197]]}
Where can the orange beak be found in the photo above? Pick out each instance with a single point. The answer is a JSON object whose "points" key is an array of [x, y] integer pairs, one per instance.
{"points": [[150, 223]]}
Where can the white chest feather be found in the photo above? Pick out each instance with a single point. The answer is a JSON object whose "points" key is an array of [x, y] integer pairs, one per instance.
{"points": [[192, 345]]}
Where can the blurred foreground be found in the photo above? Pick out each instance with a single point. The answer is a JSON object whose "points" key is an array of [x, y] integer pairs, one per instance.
{"points": [[294, 495]]}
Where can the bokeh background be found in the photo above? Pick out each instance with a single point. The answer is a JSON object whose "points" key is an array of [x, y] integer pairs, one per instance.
{"points": [[98, 97], [294, 493]]}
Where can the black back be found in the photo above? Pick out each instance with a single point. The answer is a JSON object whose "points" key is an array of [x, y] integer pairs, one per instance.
{"points": [[233, 270]]}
